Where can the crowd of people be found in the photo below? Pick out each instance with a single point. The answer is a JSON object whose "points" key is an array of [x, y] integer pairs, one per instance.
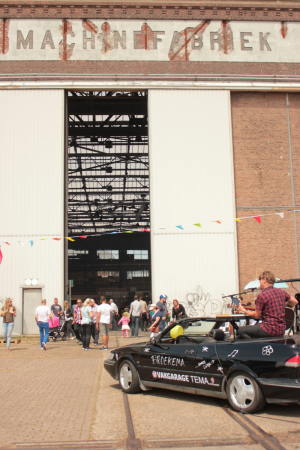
{"points": [[87, 319]]}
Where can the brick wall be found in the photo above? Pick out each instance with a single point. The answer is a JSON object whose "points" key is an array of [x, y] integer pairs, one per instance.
{"points": [[263, 182]]}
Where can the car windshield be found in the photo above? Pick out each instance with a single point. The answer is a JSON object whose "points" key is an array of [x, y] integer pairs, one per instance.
{"points": [[192, 329]]}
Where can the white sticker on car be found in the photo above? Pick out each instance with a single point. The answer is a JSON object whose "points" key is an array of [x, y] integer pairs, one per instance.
{"points": [[267, 350], [233, 354]]}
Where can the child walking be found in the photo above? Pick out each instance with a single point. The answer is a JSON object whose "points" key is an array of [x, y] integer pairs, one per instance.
{"points": [[124, 321]]}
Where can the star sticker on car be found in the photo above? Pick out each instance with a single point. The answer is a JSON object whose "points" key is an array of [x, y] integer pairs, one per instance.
{"points": [[204, 349]]}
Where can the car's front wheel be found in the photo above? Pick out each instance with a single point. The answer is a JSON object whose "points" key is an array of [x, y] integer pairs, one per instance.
{"points": [[128, 377], [244, 394]]}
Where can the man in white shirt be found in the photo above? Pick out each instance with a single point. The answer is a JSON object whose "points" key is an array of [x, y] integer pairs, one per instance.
{"points": [[115, 313], [104, 316], [42, 315], [136, 311]]}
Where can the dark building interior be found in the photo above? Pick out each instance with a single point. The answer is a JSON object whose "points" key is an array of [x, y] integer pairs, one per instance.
{"points": [[108, 195]]}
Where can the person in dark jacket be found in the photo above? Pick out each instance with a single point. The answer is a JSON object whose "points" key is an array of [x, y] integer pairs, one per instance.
{"points": [[178, 311], [69, 319]]}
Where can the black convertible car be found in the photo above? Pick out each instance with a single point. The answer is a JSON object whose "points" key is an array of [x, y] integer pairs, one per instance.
{"points": [[195, 356]]}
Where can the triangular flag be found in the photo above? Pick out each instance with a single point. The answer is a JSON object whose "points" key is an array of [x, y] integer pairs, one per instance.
{"points": [[70, 239], [217, 221], [31, 243], [281, 215], [7, 243], [83, 237], [21, 243], [56, 239], [1, 256], [257, 218], [43, 239], [179, 226], [197, 225], [238, 220]]}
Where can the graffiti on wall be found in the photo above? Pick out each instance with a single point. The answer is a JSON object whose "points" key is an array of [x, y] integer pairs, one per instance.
{"points": [[200, 304]]}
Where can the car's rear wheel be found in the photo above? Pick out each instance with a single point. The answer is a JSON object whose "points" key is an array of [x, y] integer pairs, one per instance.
{"points": [[128, 377], [244, 394]]}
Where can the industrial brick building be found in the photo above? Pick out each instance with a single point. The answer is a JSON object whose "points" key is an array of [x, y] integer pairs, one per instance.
{"points": [[141, 131]]}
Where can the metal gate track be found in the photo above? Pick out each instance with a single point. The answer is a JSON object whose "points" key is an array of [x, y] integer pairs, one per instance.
{"points": [[268, 441]]}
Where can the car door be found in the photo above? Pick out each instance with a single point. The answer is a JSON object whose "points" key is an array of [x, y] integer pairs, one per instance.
{"points": [[208, 369], [169, 364]]}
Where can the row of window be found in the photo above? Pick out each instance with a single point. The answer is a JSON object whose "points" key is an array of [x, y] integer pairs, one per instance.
{"points": [[130, 274], [111, 254]]}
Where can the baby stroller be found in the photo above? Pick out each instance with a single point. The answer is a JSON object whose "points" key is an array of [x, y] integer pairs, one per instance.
{"points": [[57, 331]]}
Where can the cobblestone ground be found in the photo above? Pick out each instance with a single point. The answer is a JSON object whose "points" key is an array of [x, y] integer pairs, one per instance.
{"points": [[64, 395]]}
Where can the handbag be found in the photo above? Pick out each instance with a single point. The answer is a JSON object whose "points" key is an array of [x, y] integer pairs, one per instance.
{"points": [[156, 329]]}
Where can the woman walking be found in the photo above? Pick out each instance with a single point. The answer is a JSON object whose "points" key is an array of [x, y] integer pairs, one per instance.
{"points": [[69, 318], [178, 311], [156, 321], [86, 321], [8, 312]]}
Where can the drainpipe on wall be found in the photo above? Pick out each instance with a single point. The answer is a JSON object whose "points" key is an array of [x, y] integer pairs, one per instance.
{"points": [[292, 186]]}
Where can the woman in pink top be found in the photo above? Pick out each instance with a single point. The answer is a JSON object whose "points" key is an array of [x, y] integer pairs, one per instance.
{"points": [[124, 321]]}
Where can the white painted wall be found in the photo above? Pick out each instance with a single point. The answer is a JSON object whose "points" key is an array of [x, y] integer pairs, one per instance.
{"points": [[31, 193], [191, 181]]}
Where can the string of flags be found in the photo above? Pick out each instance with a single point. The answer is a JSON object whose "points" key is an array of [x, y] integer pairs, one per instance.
{"points": [[181, 227]]}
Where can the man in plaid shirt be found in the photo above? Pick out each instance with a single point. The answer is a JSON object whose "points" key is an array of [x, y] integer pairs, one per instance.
{"points": [[270, 308]]}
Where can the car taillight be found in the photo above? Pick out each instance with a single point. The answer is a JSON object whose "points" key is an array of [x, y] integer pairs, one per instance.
{"points": [[293, 362]]}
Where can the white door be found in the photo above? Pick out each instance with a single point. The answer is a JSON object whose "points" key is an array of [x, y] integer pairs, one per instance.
{"points": [[31, 300], [192, 182]]}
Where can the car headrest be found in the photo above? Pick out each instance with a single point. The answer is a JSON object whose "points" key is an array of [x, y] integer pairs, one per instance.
{"points": [[218, 335]]}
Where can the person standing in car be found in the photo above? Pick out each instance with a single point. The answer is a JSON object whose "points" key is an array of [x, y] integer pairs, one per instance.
{"points": [[178, 311]]}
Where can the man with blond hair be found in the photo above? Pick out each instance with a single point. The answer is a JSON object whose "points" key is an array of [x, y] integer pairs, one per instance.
{"points": [[270, 308]]}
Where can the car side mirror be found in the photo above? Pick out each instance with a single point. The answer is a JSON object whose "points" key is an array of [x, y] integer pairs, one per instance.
{"points": [[153, 340]]}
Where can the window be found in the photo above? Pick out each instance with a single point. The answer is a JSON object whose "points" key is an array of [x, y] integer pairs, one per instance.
{"points": [[72, 252], [138, 254], [106, 274], [108, 254], [137, 274]]}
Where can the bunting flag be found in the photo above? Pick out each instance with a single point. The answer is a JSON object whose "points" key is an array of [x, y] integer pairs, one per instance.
{"points": [[197, 224], [1, 256]]}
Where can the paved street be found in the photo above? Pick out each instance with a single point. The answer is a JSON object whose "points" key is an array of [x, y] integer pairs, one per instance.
{"points": [[64, 395]]}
